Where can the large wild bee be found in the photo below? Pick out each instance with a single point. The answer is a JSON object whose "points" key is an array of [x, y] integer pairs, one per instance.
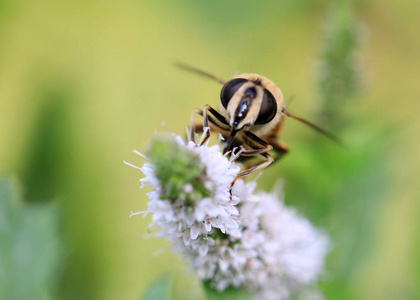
{"points": [[251, 116]]}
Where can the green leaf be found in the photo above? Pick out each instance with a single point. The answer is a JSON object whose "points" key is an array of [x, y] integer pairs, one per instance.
{"points": [[29, 246], [160, 289], [42, 170]]}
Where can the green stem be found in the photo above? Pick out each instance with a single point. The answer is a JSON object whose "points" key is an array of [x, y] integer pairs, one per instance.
{"points": [[231, 293]]}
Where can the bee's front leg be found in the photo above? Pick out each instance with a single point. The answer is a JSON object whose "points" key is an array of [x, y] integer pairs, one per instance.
{"points": [[217, 120]]}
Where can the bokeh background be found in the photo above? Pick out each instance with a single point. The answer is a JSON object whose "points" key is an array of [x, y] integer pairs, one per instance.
{"points": [[83, 83]]}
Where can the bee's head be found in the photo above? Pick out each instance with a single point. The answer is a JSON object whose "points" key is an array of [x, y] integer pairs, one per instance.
{"points": [[247, 103]]}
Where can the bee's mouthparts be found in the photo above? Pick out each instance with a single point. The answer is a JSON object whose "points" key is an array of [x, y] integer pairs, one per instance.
{"points": [[230, 140]]}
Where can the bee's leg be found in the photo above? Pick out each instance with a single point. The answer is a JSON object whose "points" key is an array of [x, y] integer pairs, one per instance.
{"points": [[269, 161], [217, 120], [272, 138], [280, 148], [260, 147], [192, 123]]}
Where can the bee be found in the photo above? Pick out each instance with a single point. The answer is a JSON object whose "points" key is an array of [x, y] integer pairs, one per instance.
{"points": [[251, 114]]}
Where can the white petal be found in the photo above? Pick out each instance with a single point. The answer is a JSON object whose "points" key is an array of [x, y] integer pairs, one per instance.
{"points": [[195, 231], [203, 250], [186, 238]]}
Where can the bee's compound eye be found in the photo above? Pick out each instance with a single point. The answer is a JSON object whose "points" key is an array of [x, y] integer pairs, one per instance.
{"points": [[268, 109], [229, 89]]}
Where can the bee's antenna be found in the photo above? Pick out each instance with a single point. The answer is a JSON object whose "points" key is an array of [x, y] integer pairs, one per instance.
{"points": [[201, 72], [317, 128], [289, 101]]}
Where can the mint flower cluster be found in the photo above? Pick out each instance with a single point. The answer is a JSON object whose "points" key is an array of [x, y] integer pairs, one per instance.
{"points": [[240, 238]]}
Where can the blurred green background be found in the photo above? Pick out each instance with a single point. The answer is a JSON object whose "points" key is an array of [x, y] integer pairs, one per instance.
{"points": [[82, 83]]}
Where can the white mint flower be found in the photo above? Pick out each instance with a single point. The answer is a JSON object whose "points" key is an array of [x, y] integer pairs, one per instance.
{"points": [[191, 190], [278, 255], [291, 254], [238, 238]]}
